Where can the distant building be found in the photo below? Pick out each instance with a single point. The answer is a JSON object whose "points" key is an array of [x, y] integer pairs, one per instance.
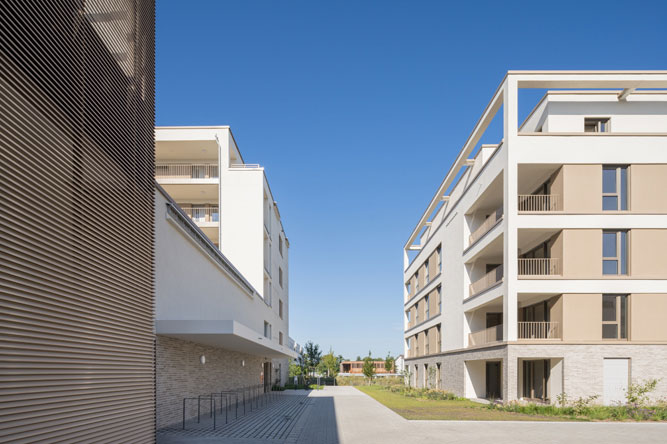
{"points": [[351, 368], [399, 364]]}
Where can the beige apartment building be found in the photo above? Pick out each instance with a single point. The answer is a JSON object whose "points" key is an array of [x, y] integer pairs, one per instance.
{"points": [[539, 268]]}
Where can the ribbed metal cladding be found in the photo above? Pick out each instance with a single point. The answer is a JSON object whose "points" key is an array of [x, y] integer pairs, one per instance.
{"points": [[76, 221]]}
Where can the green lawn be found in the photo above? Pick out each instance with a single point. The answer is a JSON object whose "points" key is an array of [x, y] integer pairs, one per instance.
{"points": [[417, 408]]}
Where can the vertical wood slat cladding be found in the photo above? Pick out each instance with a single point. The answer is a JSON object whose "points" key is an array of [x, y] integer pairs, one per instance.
{"points": [[77, 353]]}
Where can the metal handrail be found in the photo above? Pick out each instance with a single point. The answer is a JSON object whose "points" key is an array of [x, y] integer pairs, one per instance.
{"points": [[164, 170], [201, 214], [539, 330], [539, 202], [547, 266], [244, 166]]}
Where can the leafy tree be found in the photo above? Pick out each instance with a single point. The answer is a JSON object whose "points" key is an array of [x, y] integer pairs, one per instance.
{"points": [[295, 369], [389, 363], [368, 369], [312, 356], [358, 358], [330, 364]]}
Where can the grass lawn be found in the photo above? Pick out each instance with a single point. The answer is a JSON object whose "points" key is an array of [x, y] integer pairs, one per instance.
{"points": [[417, 408]]}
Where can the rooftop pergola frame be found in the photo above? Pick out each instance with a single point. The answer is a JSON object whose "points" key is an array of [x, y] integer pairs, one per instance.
{"points": [[506, 96]]}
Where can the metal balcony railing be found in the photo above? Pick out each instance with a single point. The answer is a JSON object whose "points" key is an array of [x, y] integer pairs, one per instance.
{"points": [[486, 336], [488, 280], [486, 226], [244, 166], [186, 171], [539, 202], [539, 330], [549, 266], [202, 214]]}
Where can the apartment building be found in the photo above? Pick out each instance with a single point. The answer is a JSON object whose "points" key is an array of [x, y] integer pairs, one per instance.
{"points": [[540, 267], [76, 221], [215, 331], [352, 368]]}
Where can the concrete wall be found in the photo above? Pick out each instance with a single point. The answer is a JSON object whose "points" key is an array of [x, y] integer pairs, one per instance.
{"points": [[180, 374]]}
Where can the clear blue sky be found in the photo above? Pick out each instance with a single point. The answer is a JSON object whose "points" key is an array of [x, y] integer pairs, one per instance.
{"points": [[358, 108]]}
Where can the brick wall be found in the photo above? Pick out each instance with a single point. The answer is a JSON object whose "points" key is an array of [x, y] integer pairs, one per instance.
{"points": [[179, 374]]}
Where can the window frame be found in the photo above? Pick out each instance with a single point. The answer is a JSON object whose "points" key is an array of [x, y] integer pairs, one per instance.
{"points": [[621, 193], [427, 310], [621, 257], [621, 317], [598, 122]]}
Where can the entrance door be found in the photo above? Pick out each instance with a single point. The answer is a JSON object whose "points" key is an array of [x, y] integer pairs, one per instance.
{"points": [[493, 380], [536, 378], [267, 377], [615, 377]]}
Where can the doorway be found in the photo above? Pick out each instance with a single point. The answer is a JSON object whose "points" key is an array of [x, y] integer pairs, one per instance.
{"points": [[493, 380], [536, 379], [267, 377]]}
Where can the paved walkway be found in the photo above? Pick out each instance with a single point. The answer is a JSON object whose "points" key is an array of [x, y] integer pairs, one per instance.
{"points": [[344, 415]]}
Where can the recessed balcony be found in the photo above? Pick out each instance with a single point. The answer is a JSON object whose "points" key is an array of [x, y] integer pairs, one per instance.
{"points": [[539, 203], [487, 336], [186, 171], [546, 266], [203, 216], [485, 226], [539, 330], [490, 279]]}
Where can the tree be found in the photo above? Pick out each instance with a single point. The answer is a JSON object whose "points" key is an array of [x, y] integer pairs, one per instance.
{"points": [[295, 369], [389, 363], [312, 356], [358, 358], [330, 363], [368, 368]]}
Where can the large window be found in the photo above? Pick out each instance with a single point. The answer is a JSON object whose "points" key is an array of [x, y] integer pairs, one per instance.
{"points": [[267, 330], [614, 316], [614, 188], [614, 252]]}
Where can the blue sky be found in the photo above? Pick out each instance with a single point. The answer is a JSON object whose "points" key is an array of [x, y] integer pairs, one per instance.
{"points": [[358, 108]]}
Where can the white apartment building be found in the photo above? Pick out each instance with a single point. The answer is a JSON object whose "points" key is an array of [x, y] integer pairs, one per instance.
{"points": [[222, 297], [539, 268]]}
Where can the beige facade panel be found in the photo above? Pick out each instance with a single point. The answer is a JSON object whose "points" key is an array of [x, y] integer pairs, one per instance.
{"points": [[648, 253], [582, 188], [582, 253], [645, 180], [582, 317], [647, 317]]}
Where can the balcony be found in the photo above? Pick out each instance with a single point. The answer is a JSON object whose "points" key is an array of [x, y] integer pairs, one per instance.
{"points": [[484, 228], [489, 335], [487, 281], [539, 203], [549, 266], [186, 171], [539, 330], [203, 216]]}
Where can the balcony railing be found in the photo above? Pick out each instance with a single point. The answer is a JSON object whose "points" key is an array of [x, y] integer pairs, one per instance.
{"points": [[486, 336], [202, 214], [186, 171], [539, 202], [549, 266], [539, 330], [486, 226], [244, 166], [488, 280]]}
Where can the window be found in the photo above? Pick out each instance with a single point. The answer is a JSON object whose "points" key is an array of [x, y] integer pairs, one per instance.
{"points": [[280, 245], [280, 308], [198, 213], [614, 252], [407, 287], [439, 337], [596, 125], [416, 282], [439, 290], [426, 276], [614, 188], [267, 330], [407, 314], [438, 252], [426, 309], [215, 214], [280, 337], [614, 316], [280, 277], [426, 344]]}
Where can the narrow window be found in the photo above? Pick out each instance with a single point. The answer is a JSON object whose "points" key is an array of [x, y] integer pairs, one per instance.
{"points": [[439, 253], [280, 338], [614, 316], [426, 309], [614, 252], [426, 274], [280, 308], [439, 300], [280, 245], [280, 277], [426, 344], [267, 330], [407, 314], [407, 287], [596, 124], [614, 188], [417, 313]]}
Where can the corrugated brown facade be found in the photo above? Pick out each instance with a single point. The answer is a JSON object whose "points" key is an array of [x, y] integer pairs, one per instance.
{"points": [[76, 221]]}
